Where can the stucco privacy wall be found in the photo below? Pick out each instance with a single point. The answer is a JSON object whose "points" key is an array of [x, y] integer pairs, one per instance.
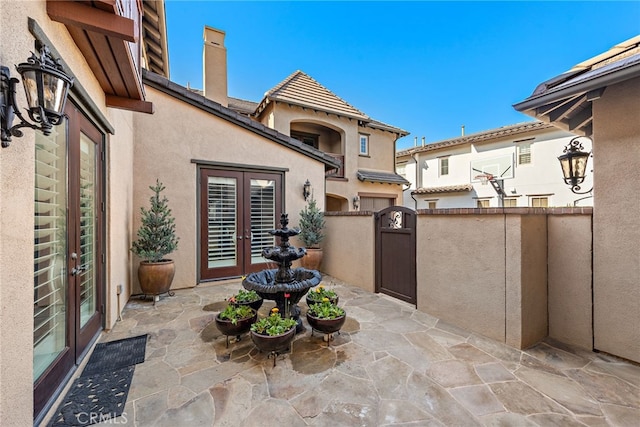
{"points": [[461, 271], [616, 221], [177, 133], [514, 277], [349, 250], [570, 304], [17, 209]]}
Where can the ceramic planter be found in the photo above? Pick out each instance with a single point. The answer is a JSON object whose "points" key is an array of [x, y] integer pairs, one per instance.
{"points": [[227, 327], [273, 344], [310, 301], [156, 277], [326, 326], [313, 259], [253, 304]]}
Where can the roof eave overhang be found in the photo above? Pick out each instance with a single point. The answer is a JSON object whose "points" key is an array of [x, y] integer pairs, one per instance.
{"points": [[185, 95], [579, 94], [269, 99], [110, 43]]}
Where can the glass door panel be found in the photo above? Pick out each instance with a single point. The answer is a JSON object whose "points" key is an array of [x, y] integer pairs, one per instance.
{"points": [[88, 226], [222, 222], [50, 249], [263, 208]]}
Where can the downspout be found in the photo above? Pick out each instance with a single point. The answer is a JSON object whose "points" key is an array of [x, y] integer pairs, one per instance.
{"points": [[418, 180]]}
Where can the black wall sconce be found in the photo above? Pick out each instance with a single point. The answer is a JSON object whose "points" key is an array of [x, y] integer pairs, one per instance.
{"points": [[356, 202], [46, 86], [574, 164], [306, 190]]}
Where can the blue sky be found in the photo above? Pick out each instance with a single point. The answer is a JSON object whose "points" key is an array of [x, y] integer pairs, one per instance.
{"points": [[426, 67]]}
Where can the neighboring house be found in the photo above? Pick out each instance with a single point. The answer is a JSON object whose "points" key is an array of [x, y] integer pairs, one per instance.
{"points": [[600, 98], [511, 166], [301, 107]]}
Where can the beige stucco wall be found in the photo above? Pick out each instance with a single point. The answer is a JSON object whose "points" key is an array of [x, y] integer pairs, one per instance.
{"points": [[569, 281], [461, 271], [165, 145], [349, 250], [526, 279], [616, 220], [121, 210], [16, 210]]}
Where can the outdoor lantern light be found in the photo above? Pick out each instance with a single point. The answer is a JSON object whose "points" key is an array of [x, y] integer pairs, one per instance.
{"points": [[46, 87], [356, 202], [306, 190], [574, 165]]}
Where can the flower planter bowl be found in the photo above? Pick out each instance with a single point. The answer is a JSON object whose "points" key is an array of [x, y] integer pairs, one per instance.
{"points": [[273, 344], [229, 329], [310, 301], [253, 304], [326, 326]]}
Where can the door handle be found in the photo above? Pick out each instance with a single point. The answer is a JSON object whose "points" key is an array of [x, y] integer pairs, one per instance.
{"points": [[248, 235], [78, 269]]}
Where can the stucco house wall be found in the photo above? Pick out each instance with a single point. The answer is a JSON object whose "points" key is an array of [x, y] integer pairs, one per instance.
{"points": [[178, 133], [616, 221]]}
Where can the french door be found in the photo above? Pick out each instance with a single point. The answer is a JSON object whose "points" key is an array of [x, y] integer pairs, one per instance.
{"points": [[68, 254], [238, 209]]}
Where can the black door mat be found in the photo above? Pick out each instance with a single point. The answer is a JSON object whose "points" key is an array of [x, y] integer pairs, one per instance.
{"points": [[101, 391], [117, 354], [95, 398]]}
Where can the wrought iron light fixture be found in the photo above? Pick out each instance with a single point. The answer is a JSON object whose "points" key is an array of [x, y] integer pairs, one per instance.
{"points": [[306, 190], [46, 87], [356, 202], [574, 165]]}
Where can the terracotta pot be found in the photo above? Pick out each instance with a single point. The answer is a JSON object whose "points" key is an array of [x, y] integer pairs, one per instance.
{"points": [[313, 259], [243, 325], [326, 326], [156, 277], [276, 343]]}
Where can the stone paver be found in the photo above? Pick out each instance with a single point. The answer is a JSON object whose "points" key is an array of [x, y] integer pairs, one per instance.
{"points": [[391, 365]]}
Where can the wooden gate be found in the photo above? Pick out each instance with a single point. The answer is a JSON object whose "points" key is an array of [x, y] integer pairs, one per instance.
{"points": [[396, 253]]}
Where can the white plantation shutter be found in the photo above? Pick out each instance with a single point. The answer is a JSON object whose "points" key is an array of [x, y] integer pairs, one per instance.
{"points": [[88, 226], [50, 278], [263, 212], [222, 221]]}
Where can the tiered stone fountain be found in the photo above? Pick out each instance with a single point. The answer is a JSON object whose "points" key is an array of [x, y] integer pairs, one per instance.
{"points": [[284, 285]]}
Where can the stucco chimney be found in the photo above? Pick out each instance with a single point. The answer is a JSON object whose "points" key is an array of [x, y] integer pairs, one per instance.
{"points": [[214, 66]]}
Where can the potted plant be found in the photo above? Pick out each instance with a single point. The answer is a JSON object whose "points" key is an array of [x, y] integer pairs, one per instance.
{"points": [[326, 317], [235, 320], [311, 233], [156, 239], [273, 333], [250, 298], [319, 293]]}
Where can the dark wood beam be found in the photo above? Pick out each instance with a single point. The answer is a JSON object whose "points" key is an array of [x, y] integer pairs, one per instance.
{"points": [[91, 19], [581, 118], [129, 104], [561, 112]]}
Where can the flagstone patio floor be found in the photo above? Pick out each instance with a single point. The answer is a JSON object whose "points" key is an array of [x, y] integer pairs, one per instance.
{"points": [[390, 365]]}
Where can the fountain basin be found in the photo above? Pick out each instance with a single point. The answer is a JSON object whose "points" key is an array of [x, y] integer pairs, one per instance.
{"points": [[265, 283]]}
